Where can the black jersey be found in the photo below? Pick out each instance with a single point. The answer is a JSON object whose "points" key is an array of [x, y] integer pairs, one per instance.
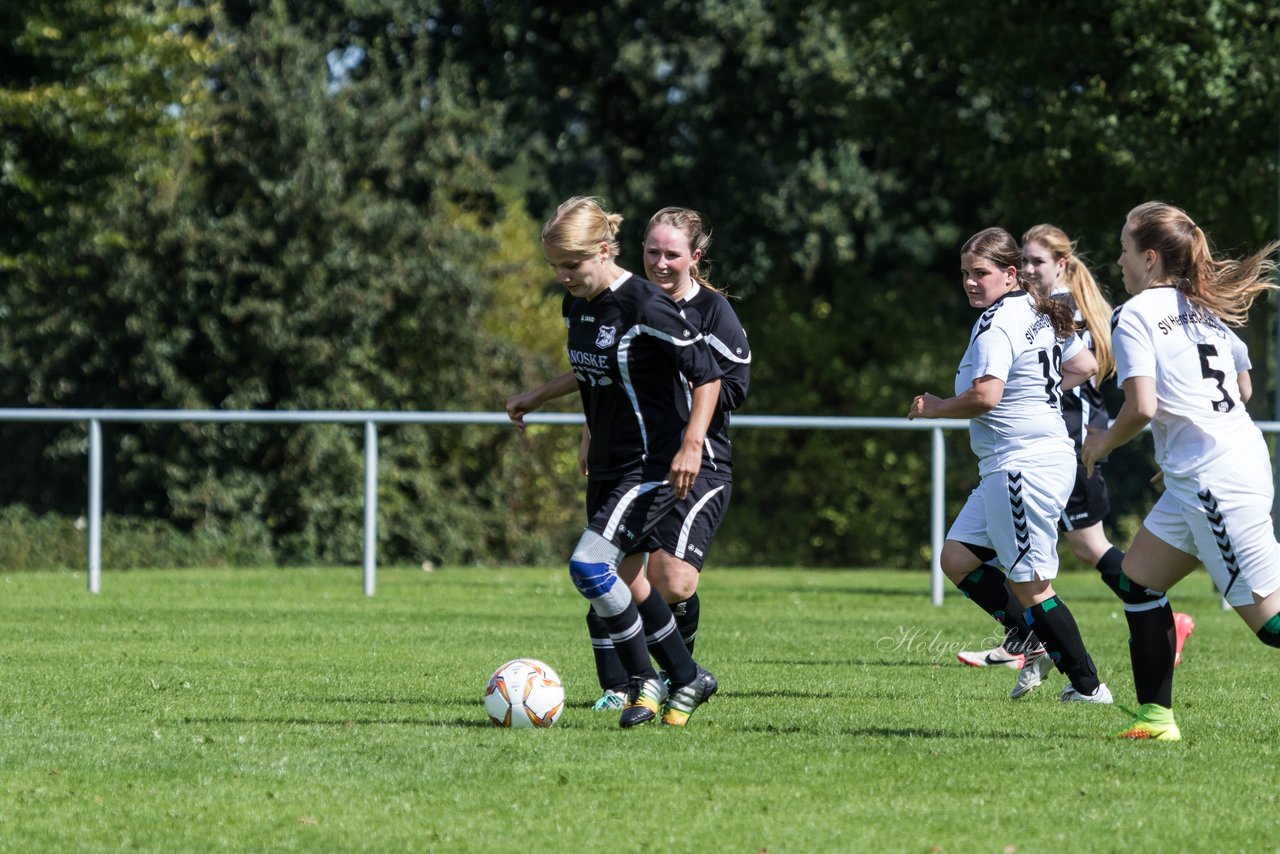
{"points": [[628, 348], [1083, 406], [715, 319]]}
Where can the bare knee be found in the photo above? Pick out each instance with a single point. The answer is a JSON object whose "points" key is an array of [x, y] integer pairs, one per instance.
{"points": [[1030, 593], [1088, 545], [676, 580], [1083, 551], [957, 561]]}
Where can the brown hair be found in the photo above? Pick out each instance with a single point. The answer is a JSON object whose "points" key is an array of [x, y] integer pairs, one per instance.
{"points": [[580, 225], [689, 222], [999, 247], [1089, 298], [1225, 286]]}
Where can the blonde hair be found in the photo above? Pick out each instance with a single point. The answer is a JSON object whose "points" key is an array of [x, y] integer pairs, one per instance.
{"points": [[1088, 296], [1225, 286], [688, 222], [580, 225], [999, 247]]}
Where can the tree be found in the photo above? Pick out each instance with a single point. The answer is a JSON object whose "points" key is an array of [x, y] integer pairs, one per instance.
{"points": [[843, 151], [313, 241]]}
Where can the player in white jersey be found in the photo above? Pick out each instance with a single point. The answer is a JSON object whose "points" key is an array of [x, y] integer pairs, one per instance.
{"points": [[1023, 354], [1052, 267], [1182, 371]]}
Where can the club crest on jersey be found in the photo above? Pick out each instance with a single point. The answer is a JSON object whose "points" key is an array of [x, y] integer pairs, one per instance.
{"points": [[606, 336]]}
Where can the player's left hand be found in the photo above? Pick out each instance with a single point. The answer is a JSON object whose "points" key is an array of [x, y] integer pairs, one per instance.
{"points": [[1093, 449], [684, 470]]}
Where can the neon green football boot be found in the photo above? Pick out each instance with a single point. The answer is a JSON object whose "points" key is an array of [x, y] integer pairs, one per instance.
{"points": [[1151, 722]]}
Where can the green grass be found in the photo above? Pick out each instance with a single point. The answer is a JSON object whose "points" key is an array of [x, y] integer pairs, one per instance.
{"points": [[283, 710]]}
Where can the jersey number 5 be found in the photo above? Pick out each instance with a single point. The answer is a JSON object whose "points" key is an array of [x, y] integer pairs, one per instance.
{"points": [[1052, 367], [1210, 373]]}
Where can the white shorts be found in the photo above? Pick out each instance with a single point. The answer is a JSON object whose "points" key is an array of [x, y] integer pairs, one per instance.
{"points": [[1016, 512], [1224, 519]]}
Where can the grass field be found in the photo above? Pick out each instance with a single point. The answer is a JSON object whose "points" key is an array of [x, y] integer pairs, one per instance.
{"points": [[282, 710]]}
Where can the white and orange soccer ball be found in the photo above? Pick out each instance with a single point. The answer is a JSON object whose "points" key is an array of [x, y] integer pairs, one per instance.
{"points": [[524, 693]]}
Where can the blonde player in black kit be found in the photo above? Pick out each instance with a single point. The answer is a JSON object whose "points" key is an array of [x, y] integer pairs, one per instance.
{"points": [[632, 353], [675, 243]]}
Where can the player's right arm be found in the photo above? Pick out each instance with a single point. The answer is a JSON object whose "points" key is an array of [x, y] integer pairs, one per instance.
{"points": [[728, 341], [980, 398], [520, 405], [584, 450], [1246, 386], [1077, 370], [1139, 408]]}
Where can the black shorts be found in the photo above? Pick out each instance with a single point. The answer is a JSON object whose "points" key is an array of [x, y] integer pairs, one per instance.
{"points": [[641, 516], [687, 531], [1088, 504], [626, 510]]}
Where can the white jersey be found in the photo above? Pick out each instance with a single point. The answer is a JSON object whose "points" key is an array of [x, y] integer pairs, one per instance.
{"points": [[1013, 342], [1195, 360]]}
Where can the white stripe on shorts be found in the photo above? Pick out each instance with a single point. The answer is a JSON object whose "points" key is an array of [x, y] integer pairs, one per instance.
{"points": [[624, 504], [683, 542]]}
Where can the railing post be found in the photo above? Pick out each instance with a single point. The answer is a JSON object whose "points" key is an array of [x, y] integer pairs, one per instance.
{"points": [[370, 506], [95, 505], [938, 508]]}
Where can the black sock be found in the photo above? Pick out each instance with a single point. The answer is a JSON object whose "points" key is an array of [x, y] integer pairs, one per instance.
{"points": [[686, 614], [1151, 640], [1109, 566], [665, 643], [987, 588], [1054, 624], [627, 632], [608, 666], [1018, 637]]}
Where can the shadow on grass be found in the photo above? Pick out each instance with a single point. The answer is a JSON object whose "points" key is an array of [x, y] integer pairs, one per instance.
{"points": [[897, 732], [774, 694], [420, 700], [847, 662], [372, 701], [839, 590], [238, 720]]}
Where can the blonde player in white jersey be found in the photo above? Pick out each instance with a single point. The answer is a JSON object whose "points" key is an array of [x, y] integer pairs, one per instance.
{"points": [[1181, 370], [1023, 354]]}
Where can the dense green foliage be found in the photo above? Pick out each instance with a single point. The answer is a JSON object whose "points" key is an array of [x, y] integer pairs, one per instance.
{"points": [[281, 710], [335, 205]]}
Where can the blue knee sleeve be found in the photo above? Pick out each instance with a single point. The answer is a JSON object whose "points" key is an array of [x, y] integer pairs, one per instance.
{"points": [[593, 580]]}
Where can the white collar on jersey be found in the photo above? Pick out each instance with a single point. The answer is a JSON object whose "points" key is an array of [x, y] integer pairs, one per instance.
{"points": [[617, 283], [694, 287]]}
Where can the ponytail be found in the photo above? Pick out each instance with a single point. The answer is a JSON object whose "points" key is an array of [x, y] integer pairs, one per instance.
{"points": [[1224, 286]]}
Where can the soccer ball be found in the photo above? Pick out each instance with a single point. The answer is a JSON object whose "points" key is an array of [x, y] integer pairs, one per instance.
{"points": [[524, 693]]}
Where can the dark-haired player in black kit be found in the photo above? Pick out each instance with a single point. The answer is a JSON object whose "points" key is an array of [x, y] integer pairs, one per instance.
{"points": [[675, 242], [632, 352]]}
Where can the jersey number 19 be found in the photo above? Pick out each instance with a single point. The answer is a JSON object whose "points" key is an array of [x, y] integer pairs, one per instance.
{"points": [[1052, 367]]}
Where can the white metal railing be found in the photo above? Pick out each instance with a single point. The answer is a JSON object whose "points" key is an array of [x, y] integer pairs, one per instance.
{"points": [[371, 419]]}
